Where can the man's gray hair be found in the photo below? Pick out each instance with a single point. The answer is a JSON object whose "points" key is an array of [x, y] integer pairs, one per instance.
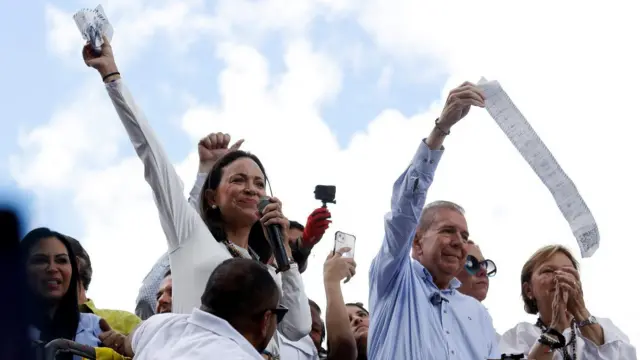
{"points": [[429, 213]]}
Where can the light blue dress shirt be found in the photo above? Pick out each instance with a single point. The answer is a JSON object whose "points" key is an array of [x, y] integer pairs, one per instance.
{"points": [[86, 334], [410, 317]]}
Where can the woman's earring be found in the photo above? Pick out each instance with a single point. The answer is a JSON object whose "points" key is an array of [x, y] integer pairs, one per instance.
{"points": [[213, 206]]}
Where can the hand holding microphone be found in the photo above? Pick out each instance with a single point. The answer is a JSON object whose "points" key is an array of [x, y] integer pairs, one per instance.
{"points": [[276, 227]]}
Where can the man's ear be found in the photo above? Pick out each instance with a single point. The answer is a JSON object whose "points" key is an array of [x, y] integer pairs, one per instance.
{"points": [[210, 196], [266, 321], [416, 244]]}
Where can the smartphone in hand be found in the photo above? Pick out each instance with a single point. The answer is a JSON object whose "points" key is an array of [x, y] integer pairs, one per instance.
{"points": [[344, 240]]}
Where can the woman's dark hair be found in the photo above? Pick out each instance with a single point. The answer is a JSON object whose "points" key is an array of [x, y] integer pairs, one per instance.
{"points": [[213, 217], [64, 323]]}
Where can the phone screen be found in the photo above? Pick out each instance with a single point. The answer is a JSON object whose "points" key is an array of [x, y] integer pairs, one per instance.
{"points": [[344, 240]]}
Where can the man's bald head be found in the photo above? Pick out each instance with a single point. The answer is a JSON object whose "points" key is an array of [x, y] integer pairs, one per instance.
{"points": [[429, 213], [239, 288]]}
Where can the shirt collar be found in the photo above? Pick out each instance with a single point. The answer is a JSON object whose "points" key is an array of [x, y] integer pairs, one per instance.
{"points": [[88, 307], [428, 278], [222, 328]]}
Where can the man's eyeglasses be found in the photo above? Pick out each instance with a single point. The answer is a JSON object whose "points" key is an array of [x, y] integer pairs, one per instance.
{"points": [[279, 312], [473, 266]]}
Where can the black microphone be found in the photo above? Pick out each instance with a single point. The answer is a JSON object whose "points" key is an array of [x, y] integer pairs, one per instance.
{"points": [[274, 236]]}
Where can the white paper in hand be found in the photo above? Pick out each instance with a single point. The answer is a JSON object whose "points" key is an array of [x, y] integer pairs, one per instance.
{"points": [[93, 25], [536, 153]]}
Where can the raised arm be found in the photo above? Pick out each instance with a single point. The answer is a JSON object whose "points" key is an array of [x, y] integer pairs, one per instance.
{"points": [[339, 334], [176, 216], [410, 191]]}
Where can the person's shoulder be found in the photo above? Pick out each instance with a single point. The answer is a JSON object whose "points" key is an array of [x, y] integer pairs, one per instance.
{"points": [[158, 322], [89, 319]]}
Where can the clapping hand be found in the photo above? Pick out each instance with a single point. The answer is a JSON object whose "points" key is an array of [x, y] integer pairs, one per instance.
{"points": [[568, 279], [559, 315]]}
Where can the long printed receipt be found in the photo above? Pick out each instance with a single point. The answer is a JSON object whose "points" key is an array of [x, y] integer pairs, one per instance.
{"points": [[93, 25], [536, 153]]}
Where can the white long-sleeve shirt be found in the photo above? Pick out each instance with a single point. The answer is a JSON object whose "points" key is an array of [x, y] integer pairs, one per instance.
{"points": [[193, 251], [521, 338]]}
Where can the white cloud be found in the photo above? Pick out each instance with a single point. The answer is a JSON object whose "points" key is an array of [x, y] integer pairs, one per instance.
{"points": [[76, 137], [573, 80]]}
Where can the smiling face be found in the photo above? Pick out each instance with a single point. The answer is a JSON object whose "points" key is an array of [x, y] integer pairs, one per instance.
{"points": [[477, 285], [440, 248], [241, 186], [49, 269]]}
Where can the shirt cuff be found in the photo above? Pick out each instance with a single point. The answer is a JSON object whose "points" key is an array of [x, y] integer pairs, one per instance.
{"points": [[113, 84], [425, 161]]}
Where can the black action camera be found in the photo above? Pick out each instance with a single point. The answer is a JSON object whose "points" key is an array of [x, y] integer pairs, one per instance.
{"points": [[326, 194]]}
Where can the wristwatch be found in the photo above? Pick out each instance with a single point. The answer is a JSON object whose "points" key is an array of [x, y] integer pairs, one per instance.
{"points": [[591, 320]]}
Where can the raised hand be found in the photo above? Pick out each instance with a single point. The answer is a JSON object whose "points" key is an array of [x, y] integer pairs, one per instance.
{"points": [[459, 103], [337, 267], [214, 146], [317, 223], [103, 62], [569, 281]]}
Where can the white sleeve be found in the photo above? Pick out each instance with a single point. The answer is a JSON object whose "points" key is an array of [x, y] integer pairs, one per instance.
{"points": [[194, 194], [177, 217], [296, 324], [616, 344]]}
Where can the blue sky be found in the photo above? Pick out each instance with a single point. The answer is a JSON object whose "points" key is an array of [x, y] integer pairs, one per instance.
{"points": [[44, 82]]}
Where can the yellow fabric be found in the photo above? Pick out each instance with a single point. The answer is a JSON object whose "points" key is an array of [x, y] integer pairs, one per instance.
{"points": [[108, 354], [121, 321]]}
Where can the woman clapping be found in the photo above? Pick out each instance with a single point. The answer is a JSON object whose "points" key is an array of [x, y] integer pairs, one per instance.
{"points": [[565, 328]]}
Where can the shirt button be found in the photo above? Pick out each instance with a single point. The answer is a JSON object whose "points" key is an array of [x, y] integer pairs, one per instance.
{"points": [[447, 331], [453, 351], [445, 311]]}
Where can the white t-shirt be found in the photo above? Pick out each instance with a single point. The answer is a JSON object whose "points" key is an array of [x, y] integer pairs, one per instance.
{"points": [[303, 349]]}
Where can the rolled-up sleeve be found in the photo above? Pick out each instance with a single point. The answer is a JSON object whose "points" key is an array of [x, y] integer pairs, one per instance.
{"points": [[407, 200]]}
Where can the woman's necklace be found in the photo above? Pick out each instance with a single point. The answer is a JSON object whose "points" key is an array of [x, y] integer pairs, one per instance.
{"points": [[236, 254], [572, 341]]}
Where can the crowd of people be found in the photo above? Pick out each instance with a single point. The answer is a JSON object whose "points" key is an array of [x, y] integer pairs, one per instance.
{"points": [[218, 292]]}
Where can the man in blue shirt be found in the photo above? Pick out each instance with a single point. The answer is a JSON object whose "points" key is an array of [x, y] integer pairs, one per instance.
{"points": [[416, 311]]}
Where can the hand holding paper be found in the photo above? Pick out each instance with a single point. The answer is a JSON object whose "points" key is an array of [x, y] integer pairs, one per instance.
{"points": [[459, 103], [94, 27]]}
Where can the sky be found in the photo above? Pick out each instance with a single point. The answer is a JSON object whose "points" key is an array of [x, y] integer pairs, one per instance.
{"points": [[331, 92]]}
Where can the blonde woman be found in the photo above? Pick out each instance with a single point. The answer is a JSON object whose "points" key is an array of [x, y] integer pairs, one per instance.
{"points": [[565, 328]]}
